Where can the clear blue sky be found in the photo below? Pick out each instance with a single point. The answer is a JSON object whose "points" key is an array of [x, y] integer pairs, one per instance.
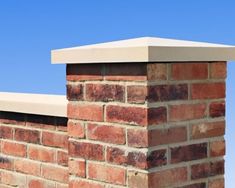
{"points": [[30, 29]]}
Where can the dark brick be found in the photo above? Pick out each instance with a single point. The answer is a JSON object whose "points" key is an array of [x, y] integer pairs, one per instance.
{"points": [[6, 132], [188, 153], [157, 158], [157, 115], [217, 109], [75, 92], [196, 185], [25, 135]]}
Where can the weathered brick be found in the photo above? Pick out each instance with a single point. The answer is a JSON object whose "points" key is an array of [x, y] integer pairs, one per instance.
{"points": [[77, 167], [205, 170], [76, 129], [105, 92], [195, 185], [218, 70], [216, 183], [27, 135], [6, 163], [157, 115], [157, 158], [168, 178], [167, 136], [27, 167], [116, 156], [84, 184], [108, 134], [217, 109], [55, 173], [157, 71], [62, 158], [85, 112], [159, 93], [187, 112], [137, 179], [12, 148], [137, 94], [122, 114], [126, 72], [217, 148], [107, 173], [84, 72], [86, 150], [189, 71], [6, 132], [13, 179], [41, 154], [208, 90], [207, 130], [137, 159], [137, 138], [75, 92], [188, 153], [55, 139]]}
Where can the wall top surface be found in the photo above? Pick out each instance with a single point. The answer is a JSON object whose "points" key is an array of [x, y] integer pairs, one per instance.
{"points": [[145, 49], [40, 104]]}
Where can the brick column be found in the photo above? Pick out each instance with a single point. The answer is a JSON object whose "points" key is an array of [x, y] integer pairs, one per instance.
{"points": [[146, 125]]}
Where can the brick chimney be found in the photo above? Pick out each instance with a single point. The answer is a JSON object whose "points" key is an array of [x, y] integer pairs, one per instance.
{"points": [[146, 113]]}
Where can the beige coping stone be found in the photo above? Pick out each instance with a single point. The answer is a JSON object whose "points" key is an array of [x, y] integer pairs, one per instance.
{"points": [[40, 104], [145, 49]]}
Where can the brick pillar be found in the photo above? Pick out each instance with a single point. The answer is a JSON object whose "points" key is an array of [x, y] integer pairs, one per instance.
{"points": [[146, 125]]}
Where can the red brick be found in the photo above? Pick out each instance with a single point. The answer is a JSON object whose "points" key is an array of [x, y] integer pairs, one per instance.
{"points": [[76, 129], [75, 92], [77, 167], [205, 170], [6, 163], [195, 185], [207, 130], [138, 159], [188, 153], [27, 167], [137, 138], [84, 72], [107, 173], [217, 109], [126, 72], [157, 71], [157, 158], [122, 114], [85, 112], [13, 179], [12, 148], [105, 92], [137, 179], [86, 150], [217, 148], [36, 184], [137, 94], [168, 178], [6, 132], [218, 70], [62, 158], [41, 154], [26, 135], [55, 173], [189, 71], [159, 93], [55, 140], [167, 136], [108, 134], [208, 91], [187, 112], [84, 184], [116, 156], [216, 183]]}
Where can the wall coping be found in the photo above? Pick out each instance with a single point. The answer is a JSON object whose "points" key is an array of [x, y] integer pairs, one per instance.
{"points": [[145, 49], [40, 104]]}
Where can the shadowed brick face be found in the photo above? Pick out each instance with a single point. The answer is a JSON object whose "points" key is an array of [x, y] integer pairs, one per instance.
{"points": [[136, 125], [164, 120]]}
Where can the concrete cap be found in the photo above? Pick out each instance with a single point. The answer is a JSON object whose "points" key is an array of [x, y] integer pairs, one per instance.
{"points": [[50, 105], [146, 49]]}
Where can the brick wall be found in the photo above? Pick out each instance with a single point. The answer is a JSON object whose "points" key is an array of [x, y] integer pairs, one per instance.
{"points": [[146, 125], [33, 152]]}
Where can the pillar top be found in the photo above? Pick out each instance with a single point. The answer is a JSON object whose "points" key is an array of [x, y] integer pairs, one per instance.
{"points": [[144, 49]]}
